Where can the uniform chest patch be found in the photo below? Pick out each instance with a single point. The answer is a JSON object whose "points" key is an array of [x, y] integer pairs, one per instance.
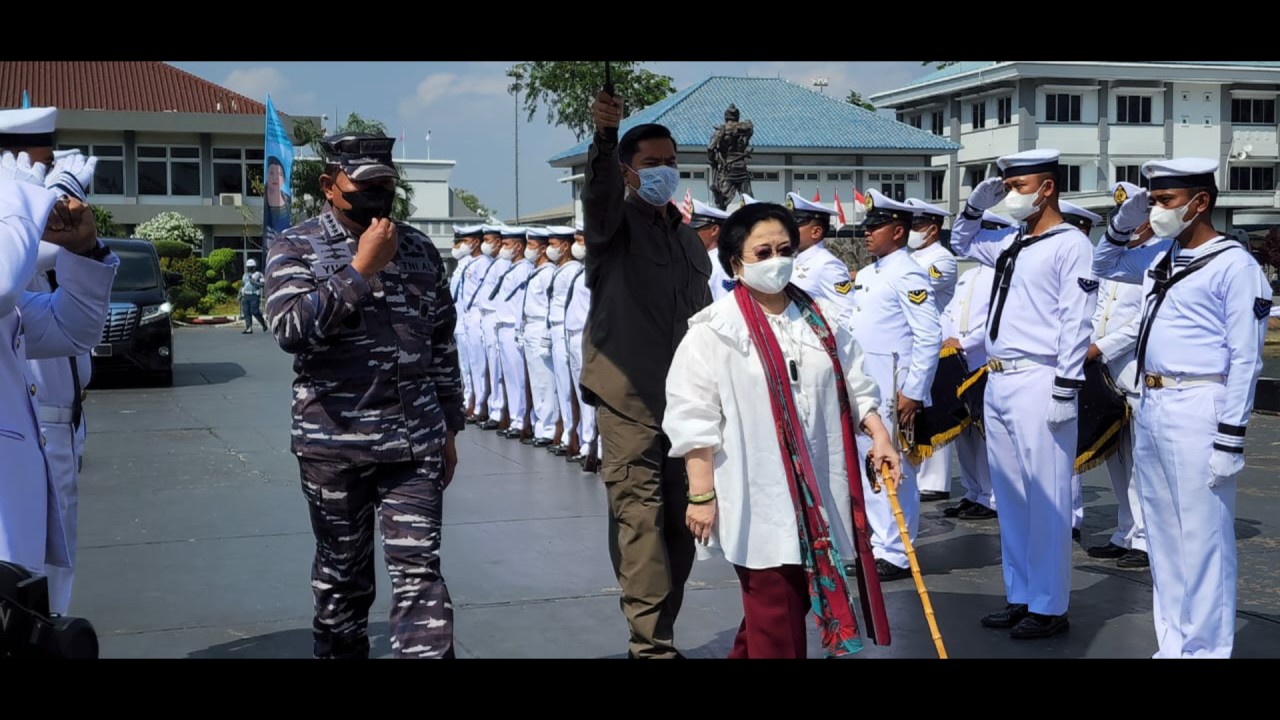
{"points": [[1088, 285], [727, 284], [917, 296], [844, 287], [1262, 307]]}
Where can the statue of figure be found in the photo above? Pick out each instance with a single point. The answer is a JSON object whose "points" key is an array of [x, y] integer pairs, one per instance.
{"points": [[728, 154]]}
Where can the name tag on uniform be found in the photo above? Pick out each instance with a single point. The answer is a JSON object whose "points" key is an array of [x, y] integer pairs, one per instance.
{"points": [[330, 256], [413, 265]]}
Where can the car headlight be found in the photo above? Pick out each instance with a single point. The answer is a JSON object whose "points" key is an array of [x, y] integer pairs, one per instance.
{"points": [[152, 313]]}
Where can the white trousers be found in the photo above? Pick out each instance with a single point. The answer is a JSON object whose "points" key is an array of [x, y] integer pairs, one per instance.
{"points": [[460, 339], [493, 357], [564, 379], [1077, 501], [513, 375], [975, 473], [63, 458], [542, 381], [935, 472], [477, 362], [1031, 469], [886, 537], [586, 414], [1190, 525], [1131, 530]]}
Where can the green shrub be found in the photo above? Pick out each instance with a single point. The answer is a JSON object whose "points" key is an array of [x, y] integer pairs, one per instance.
{"points": [[224, 288], [209, 274], [172, 249], [193, 271], [181, 315], [205, 305], [184, 298]]}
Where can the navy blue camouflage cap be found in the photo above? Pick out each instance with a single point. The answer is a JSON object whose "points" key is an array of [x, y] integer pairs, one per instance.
{"points": [[362, 156]]}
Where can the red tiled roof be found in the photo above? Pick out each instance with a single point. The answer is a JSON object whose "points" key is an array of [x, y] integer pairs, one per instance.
{"points": [[118, 86]]}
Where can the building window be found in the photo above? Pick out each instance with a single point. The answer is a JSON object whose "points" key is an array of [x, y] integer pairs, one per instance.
{"points": [[1133, 109], [937, 122], [1253, 178], [980, 115], [897, 191], [805, 176], [768, 176], [693, 174], [245, 248], [108, 176], [1062, 108], [166, 170], [917, 120], [1253, 111], [1129, 173], [840, 177], [937, 183], [977, 175], [1004, 111], [1070, 178]]}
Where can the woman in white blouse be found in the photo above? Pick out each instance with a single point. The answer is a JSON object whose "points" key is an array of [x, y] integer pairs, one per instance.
{"points": [[763, 398]]}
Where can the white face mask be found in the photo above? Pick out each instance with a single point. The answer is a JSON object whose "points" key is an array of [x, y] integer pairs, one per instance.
{"points": [[579, 251], [506, 253], [915, 240], [486, 248], [531, 254], [768, 276], [1021, 206], [554, 254], [461, 252], [1169, 223]]}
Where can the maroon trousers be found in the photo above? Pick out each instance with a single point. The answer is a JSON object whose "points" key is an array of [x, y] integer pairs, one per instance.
{"points": [[775, 602]]}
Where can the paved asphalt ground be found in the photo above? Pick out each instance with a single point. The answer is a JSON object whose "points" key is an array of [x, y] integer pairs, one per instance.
{"points": [[195, 541]]}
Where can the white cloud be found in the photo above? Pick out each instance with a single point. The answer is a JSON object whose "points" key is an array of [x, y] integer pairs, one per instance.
{"points": [[865, 77], [257, 83], [442, 86]]}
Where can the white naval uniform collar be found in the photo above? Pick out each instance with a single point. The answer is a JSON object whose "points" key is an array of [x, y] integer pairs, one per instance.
{"points": [[893, 258], [814, 250]]}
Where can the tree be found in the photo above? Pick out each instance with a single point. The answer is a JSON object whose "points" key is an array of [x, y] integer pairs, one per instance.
{"points": [[473, 203], [222, 260], [171, 226], [308, 198], [855, 98], [106, 224], [565, 88], [940, 64]]}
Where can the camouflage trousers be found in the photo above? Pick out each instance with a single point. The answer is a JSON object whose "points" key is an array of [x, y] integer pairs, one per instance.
{"points": [[407, 499]]}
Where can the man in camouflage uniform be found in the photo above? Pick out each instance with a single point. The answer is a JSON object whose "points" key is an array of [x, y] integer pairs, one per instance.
{"points": [[363, 304]]}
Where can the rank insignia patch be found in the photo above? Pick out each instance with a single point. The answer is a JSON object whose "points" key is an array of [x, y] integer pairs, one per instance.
{"points": [[844, 287], [1088, 285], [917, 296]]}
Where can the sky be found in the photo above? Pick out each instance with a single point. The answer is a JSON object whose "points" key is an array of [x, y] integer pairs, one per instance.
{"points": [[471, 117]]}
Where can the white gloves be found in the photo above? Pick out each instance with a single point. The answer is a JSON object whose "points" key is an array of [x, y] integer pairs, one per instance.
{"points": [[1223, 466], [987, 195], [1131, 215], [1060, 412], [21, 169], [72, 175]]}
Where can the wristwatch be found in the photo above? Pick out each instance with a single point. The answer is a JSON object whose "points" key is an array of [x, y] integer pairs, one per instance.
{"points": [[99, 252]]}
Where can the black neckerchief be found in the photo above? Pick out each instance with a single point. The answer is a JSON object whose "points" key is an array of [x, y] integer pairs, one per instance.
{"points": [[1004, 275], [1164, 280], [77, 404]]}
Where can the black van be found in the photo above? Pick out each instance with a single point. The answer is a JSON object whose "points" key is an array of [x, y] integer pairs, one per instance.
{"points": [[138, 336]]}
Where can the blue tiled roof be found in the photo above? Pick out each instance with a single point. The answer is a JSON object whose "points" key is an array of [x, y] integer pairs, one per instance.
{"points": [[785, 115]]}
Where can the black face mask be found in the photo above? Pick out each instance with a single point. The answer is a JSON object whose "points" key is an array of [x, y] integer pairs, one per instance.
{"points": [[367, 205]]}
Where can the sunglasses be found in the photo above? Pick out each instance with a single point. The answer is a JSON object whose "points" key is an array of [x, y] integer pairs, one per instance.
{"points": [[764, 252]]}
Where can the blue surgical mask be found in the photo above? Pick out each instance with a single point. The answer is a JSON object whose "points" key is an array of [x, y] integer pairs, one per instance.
{"points": [[657, 184]]}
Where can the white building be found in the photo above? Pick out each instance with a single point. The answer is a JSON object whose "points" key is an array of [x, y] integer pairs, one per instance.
{"points": [[1107, 118], [435, 207]]}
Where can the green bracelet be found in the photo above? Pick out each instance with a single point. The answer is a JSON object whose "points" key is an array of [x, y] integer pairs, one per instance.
{"points": [[703, 498]]}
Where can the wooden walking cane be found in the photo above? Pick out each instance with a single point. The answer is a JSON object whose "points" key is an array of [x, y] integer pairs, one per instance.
{"points": [[906, 534]]}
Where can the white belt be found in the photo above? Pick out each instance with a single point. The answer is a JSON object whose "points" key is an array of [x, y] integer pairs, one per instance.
{"points": [[1153, 381], [1002, 365], [53, 415]]}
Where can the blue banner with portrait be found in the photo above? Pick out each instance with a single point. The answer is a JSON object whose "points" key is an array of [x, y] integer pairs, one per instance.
{"points": [[277, 174]]}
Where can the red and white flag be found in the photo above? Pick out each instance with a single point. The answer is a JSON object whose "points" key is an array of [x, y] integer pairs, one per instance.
{"points": [[839, 209], [817, 196]]}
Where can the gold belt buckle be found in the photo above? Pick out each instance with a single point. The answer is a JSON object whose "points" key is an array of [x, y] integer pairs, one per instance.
{"points": [[995, 366], [1154, 382]]}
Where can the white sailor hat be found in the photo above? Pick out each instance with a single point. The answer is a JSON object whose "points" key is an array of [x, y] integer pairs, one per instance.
{"points": [[1122, 191], [487, 229], [881, 210], [27, 127], [803, 210], [577, 227], [1072, 212], [1189, 172], [513, 232], [704, 215], [537, 233], [468, 231], [1030, 162], [561, 232], [923, 209], [990, 218], [747, 200]]}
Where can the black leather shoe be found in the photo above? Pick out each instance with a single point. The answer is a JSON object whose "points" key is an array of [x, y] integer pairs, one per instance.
{"points": [[931, 496], [1035, 626], [541, 443], [559, 451], [1008, 617], [1075, 533], [579, 458], [955, 510], [888, 571], [1110, 551], [1134, 559], [490, 425], [978, 512]]}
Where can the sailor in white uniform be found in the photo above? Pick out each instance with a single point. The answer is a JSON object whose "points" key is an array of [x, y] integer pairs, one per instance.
{"points": [[488, 303], [1115, 337], [816, 270], [577, 307], [706, 220], [508, 298], [565, 276], [485, 246], [1037, 335], [964, 324], [1199, 355], [464, 253], [934, 475], [536, 338], [896, 324], [38, 325]]}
